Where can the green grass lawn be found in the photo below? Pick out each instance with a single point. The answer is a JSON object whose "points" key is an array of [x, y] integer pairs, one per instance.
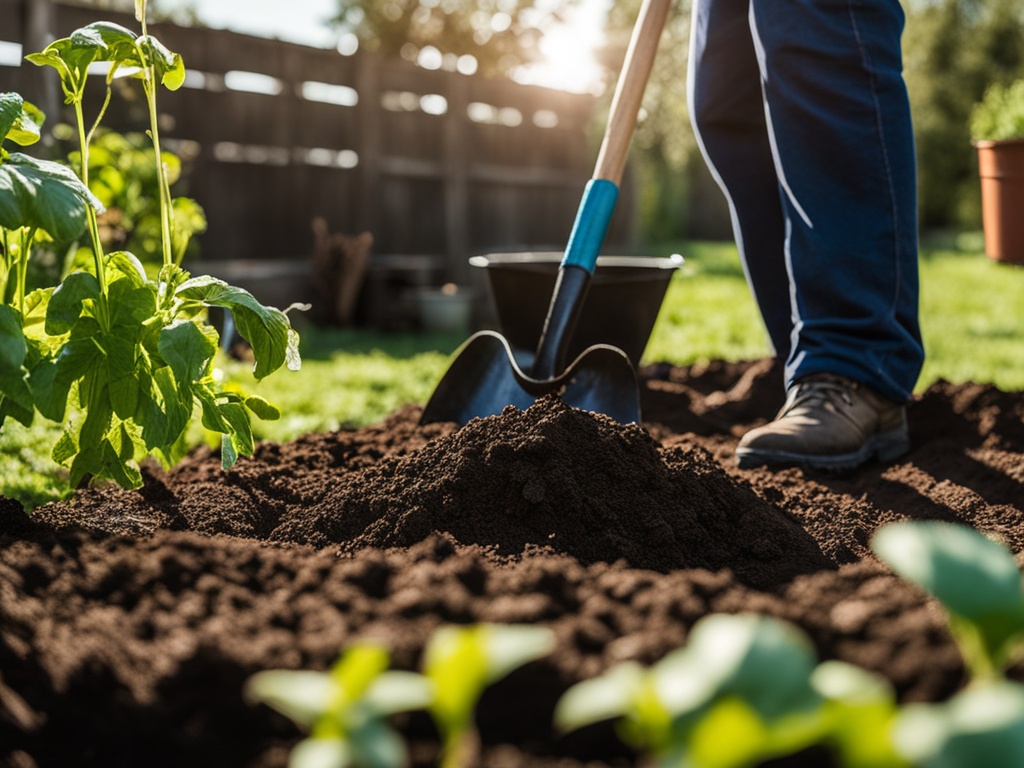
{"points": [[972, 316]]}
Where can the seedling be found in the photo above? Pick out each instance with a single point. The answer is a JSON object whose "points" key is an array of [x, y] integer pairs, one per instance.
{"points": [[461, 662], [859, 713], [744, 689], [344, 709], [120, 359], [981, 725], [975, 578]]}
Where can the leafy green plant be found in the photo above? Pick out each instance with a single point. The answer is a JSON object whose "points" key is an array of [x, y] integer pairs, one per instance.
{"points": [[744, 689], [344, 709], [120, 359], [975, 578], [981, 725], [461, 662], [123, 176], [999, 115]]}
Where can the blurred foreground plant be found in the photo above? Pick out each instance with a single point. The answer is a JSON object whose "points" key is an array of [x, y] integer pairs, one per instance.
{"points": [[744, 689]]}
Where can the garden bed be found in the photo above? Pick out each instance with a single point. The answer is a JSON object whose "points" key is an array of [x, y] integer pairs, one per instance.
{"points": [[130, 620]]}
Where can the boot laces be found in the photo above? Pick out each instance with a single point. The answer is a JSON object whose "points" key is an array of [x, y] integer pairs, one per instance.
{"points": [[816, 390]]}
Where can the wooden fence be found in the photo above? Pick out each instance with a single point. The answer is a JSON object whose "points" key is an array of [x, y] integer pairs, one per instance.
{"points": [[435, 164]]}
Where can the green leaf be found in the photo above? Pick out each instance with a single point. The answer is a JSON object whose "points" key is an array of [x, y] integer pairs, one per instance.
{"points": [[375, 745], [462, 661], [35, 307], [45, 195], [169, 67], [398, 691], [64, 448], [264, 410], [127, 264], [764, 661], [859, 712], [357, 668], [971, 574], [51, 380], [71, 57], [321, 753], [455, 662], [267, 329], [241, 430], [112, 42], [13, 346], [300, 695], [10, 112], [20, 121], [983, 725], [187, 350], [131, 307], [189, 219], [974, 577], [164, 410], [118, 460], [124, 396], [67, 300], [730, 735], [9, 408], [600, 698]]}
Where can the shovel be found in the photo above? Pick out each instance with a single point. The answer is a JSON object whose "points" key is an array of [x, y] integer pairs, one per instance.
{"points": [[486, 375]]}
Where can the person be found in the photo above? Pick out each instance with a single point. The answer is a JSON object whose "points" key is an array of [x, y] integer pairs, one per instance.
{"points": [[801, 112]]}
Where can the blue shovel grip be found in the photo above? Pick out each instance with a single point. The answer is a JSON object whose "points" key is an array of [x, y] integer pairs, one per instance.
{"points": [[591, 225]]}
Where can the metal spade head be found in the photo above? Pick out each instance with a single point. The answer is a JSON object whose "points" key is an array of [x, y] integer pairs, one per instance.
{"points": [[486, 376]]}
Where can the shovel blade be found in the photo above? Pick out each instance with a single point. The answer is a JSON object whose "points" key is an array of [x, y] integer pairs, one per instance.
{"points": [[486, 376]]}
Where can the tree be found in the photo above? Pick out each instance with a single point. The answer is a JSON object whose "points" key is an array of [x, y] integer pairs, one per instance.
{"points": [[500, 34]]}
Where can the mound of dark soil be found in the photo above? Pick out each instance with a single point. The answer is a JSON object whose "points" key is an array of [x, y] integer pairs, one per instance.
{"points": [[130, 621]]}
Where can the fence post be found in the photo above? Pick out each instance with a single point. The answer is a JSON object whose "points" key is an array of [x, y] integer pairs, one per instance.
{"points": [[39, 84], [456, 182], [369, 107]]}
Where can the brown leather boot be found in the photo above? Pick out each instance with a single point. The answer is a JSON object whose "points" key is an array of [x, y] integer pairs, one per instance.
{"points": [[828, 422]]}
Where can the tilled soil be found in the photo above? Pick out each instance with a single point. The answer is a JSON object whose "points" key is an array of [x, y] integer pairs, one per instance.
{"points": [[130, 620]]}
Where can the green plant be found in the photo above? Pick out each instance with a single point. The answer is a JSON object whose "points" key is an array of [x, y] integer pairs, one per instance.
{"points": [[999, 115], [461, 662], [345, 708], [975, 578], [123, 176], [744, 689], [120, 359], [981, 725]]}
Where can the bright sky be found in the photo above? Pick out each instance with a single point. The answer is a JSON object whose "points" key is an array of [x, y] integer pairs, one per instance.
{"points": [[568, 50]]}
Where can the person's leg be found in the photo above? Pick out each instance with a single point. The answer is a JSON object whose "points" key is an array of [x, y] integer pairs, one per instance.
{"points": [[839, 122], [727, 112]]}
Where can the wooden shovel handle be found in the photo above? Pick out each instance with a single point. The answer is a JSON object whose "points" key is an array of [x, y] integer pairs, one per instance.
{"points": [[629, 91]]}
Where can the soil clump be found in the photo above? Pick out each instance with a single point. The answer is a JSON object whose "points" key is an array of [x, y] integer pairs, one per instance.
{"points": [[130, 620]]}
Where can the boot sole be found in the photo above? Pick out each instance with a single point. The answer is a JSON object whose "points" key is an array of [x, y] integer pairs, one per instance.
{"points": [[885, 446]]}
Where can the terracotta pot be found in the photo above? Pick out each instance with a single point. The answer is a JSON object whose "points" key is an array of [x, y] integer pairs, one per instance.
{"points": [[1001, 167]]}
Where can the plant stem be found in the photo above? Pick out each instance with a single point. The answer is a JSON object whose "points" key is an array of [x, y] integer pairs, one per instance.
{"points": [[27, 235], [166, 211], [5, 265], [90, 215], [460, 749]]}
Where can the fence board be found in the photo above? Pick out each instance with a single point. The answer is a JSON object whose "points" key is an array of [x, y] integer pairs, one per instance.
{"points": [[499, 165]]}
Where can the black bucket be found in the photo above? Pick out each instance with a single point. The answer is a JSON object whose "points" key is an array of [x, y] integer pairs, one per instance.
{"points": [[620, 309]]}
